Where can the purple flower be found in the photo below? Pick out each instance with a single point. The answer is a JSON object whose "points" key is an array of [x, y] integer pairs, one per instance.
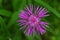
{"points": [[31, 20]]}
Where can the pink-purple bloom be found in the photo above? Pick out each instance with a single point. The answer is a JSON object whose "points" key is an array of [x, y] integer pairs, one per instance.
{"points": [[31, 20]]}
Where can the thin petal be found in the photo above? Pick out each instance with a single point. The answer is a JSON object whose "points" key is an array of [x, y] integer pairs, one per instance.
{"points": [[30, 30], [46, 15], [40, 29], [23, 15], [22, 21], [31, 8], [24, 26], [39, 9], [29, 12], [42, 12], [44, 24]]}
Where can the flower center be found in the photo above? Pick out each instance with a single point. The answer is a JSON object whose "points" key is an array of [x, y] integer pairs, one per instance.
{"points": [[33, 20]]}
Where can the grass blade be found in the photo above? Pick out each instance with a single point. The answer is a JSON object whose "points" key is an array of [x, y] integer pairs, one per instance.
{"points": [[29, 38], [5, 13], [14, 17]]}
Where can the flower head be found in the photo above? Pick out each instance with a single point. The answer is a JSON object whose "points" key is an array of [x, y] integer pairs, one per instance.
{"points": [[31, 20]]}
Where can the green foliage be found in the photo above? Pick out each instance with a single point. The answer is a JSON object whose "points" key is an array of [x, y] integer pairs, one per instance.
{"points": [[29, 38], [9, 28], [14, 16], [38, 37], [5, 13], [2, 24], [0, 3]]}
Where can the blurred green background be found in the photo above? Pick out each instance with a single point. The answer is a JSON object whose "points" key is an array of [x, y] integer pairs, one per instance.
{"points": [[9, 28]]}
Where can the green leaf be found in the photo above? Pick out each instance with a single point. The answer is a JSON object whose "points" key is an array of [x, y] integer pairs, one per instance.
{"points": [[53, 38], [17, 37], [1, 3], [5, 13], [48, 7], [28, 2], [29, 38], [3, 27], [2, 24], [16, 4], [14, 17], [17, 34], [2, 37], [38, 37]]}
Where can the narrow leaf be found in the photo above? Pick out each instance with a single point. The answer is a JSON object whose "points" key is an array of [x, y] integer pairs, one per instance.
{"points": [[1, 3], [29, 38], [5, 13], [3, 26], [16, 4], [38, 37], [14, 17]]}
